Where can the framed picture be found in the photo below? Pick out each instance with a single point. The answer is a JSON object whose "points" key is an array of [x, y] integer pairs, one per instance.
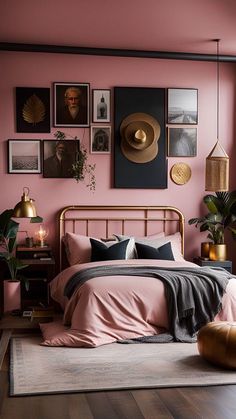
{"points": [[58, 157], [100, 139], [24, 156], [32, 109], [71, 104], [182, 142], [182, 106], [101, 105]]}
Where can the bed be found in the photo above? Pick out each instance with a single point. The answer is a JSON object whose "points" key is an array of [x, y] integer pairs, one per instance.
{"points": [[123, 277]]}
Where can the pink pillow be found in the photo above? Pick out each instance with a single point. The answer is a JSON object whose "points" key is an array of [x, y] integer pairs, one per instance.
{"points": [[78, 248]]}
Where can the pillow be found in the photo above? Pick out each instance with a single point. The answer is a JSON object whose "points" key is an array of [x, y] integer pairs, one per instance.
{"points": [[163, 252], [132, 254], [100, 251], [78, 248], [157, 241]]}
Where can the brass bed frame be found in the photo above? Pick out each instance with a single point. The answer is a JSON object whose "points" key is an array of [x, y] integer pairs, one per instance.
{"points": [[73, 218]]}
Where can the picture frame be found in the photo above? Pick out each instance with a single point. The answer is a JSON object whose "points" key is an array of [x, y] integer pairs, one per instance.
{"points": [[182, 141], [101, 102], [100, 139], [71, 104], [33, 109], [182, 106], [58, 157], [24, 156]]}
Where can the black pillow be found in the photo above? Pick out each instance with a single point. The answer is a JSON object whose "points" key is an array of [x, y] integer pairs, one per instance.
{"points": [[101, 252], [163, 252]]}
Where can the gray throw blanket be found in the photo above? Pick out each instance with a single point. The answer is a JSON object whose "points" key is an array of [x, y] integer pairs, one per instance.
{"points": [[193, 294]]}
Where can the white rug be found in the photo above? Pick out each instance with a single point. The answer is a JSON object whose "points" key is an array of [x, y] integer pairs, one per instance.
{"points": [[36, 369]]}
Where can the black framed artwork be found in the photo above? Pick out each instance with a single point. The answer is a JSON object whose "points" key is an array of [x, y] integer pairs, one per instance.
{"points": [[32, 109], [101, 105], [100, 139], [71, 104], [182, 141], [141, 163], [182, 106], [58, 157], [24, 156]]}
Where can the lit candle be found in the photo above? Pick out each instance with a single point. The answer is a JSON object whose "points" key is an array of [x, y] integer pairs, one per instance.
{"points": [[42, 233]]}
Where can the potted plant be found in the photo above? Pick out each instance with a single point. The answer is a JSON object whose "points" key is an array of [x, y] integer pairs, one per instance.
{"points": [[221, 215], [8, 234], [81, 168]]}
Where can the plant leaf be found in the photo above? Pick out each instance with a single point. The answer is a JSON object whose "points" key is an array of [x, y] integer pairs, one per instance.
{"points": [[33, 110]]}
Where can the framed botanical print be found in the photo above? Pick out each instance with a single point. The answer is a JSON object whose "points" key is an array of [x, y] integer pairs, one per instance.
{"points": [[24, 156], [32, 109], [58, 157], [100, 139], [182, 142], [71, 104], [182, 106], [101, 105]]}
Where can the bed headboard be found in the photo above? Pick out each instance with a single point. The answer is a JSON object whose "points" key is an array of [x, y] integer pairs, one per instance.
{"points": [[102, 221]]}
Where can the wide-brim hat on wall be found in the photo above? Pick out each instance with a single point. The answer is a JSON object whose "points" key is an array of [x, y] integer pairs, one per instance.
{"points": [[140, 133]]}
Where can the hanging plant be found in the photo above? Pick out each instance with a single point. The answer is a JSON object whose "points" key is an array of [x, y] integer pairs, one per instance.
{"points": [[81, 169]]}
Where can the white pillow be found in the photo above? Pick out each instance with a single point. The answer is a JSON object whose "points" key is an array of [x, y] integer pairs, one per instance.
{"points": [[157, 241], [143, 240]]}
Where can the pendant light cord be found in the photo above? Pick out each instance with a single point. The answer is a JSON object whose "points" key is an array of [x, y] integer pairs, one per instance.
{"points": [[218, 89]]}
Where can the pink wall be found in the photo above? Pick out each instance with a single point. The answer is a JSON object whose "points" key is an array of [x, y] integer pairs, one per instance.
{"points": [[41, 70]]}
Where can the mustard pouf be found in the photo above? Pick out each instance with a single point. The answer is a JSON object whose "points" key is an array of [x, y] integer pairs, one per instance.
{"points": [[217, 343]]}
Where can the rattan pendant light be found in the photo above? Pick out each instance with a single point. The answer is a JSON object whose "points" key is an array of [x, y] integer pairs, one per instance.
{"points": [[217, 162]]}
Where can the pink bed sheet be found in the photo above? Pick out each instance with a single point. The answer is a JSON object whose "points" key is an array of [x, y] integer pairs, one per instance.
{"points": [[106, 309]]}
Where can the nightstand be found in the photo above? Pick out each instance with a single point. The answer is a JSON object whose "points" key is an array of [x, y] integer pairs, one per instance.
{"points": [[226, 264], [39, 272]]}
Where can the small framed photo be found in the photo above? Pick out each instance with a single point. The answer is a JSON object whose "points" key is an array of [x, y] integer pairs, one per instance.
{"points": [[71, 104], [101, 105], [100, 139], [58, 157], [33, 109], [24, 156], [182, 106], [182, 142]]}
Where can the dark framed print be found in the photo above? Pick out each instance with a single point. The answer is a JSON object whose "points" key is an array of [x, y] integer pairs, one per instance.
{"points": [[100, 139], [101, 105], [32, 109], [58, 157], [182, 142], [24, 156], [71, 104], [182, 106]]}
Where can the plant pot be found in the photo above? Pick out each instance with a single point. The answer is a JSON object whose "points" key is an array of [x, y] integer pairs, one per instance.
{"points": [[217, 252], [12, 295]]}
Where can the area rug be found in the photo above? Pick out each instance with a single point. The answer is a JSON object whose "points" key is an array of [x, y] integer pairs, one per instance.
{"points": [[36, 369]]}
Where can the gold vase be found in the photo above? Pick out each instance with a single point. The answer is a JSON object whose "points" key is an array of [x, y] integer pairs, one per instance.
{"points": [[205, 247], [217, 252]]}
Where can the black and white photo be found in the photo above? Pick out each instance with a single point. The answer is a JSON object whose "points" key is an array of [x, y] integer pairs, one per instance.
{"points": [[182, 106], [182, 142], [101, 105], [100, 139], [24, 156]]}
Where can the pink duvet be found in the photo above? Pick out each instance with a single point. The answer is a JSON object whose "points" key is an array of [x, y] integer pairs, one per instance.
{"points": [[107, 309]]}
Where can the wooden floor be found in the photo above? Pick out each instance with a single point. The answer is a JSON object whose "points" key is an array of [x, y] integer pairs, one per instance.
{"points": [[217, 402]]}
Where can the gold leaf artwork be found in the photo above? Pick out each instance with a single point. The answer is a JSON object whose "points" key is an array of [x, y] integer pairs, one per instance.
{"points": [[33, 110]]}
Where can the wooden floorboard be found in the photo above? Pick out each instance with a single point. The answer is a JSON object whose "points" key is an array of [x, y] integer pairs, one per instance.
{"points": [[218, 402]]}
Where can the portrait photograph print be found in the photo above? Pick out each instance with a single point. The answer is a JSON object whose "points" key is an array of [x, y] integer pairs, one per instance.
{"points": [[182, 142], [32, 109], [71, 104], [58, 157], [24, 156], [101, 105], [182, 106], [100, 139]]}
